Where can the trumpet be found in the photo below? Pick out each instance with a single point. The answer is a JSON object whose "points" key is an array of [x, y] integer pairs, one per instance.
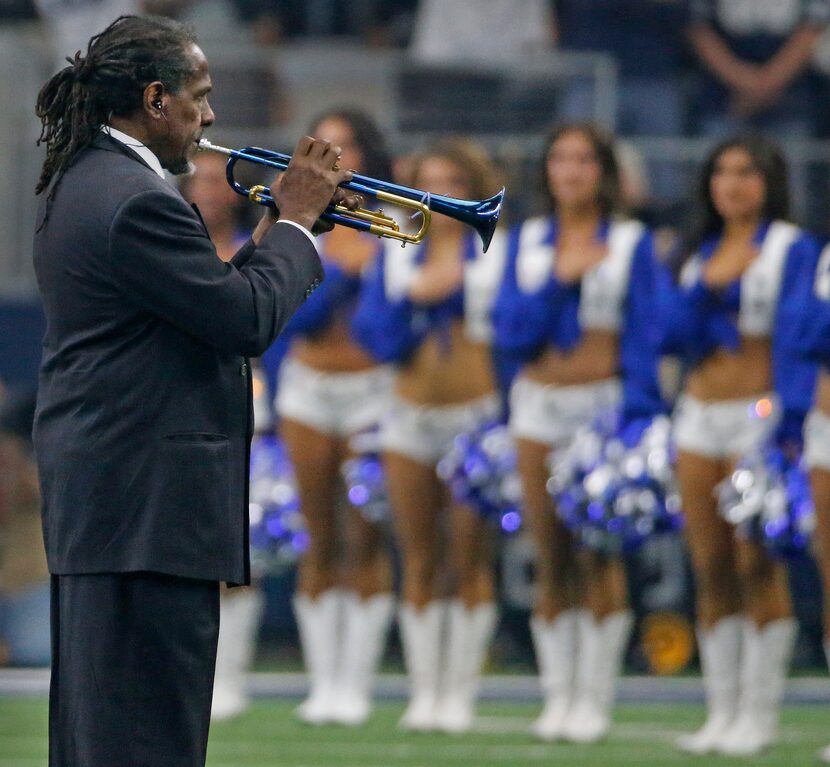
{"points": [[481, 215]]}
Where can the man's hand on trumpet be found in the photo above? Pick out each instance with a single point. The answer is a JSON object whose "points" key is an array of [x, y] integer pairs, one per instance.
{"points": [[308, 186]]}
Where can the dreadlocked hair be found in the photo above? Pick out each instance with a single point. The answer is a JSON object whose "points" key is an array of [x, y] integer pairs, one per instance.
{"points": [[109, 81]]}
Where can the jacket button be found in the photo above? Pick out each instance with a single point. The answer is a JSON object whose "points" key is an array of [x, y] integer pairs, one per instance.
{"points": [[243, 370]]}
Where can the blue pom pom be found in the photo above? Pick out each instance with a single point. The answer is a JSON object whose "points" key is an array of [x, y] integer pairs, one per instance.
{"points": [[614, 485], [768, 498], [480, 470], [278, 535], [365, 482]]}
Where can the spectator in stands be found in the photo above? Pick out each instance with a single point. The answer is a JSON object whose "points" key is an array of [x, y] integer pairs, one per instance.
{"points": [[645, 37], [757, 74], [330, 397], [475, 31], [24, 577], [427, 309], [378, 22], [730, 313], [71, 21], [17, 10], [756, 60], [585, 346]]}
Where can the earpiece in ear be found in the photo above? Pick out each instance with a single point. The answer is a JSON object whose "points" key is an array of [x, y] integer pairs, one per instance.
{"points": [[157, 104]]}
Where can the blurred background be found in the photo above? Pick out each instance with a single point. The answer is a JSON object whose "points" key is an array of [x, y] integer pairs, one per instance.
{"points": [[499, 70]]}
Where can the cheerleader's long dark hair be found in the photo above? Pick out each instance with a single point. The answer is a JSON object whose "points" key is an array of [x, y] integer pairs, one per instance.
{"points": [[706, 222], [109, 81], [608, 193], [370, 141]]}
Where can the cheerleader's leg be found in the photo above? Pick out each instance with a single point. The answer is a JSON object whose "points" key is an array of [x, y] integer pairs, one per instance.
{"points": [[553, 623], [315, 457], [418, 498], [471, 621], [719, 606], [604, 629], [240, 611], [366, 625], [816, 451], [319, 622], [769, 637], [368, 610], [421, 635], [720, 659], [555, 644]]}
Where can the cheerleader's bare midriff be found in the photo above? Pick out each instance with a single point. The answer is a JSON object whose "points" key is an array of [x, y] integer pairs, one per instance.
{"points": [[822, 402], [596, 358], [446, 370], [332, 350], [727, 375]]}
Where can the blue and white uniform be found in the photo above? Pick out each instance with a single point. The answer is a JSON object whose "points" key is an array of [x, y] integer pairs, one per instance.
{"points": [[814, 344], [391, 326], [535, 311], [336, 403], [766, 302], [342, 633]]}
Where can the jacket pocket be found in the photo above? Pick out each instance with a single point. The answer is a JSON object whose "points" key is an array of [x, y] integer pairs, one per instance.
{"points": [[196, 437]]}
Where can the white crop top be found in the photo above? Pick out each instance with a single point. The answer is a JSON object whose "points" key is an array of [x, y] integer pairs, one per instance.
{"points": [[603, 288], [482, 277], [822, 283], [760, 282]]}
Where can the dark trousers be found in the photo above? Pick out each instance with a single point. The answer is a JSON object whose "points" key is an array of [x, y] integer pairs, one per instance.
{"points": [[133, 657]]}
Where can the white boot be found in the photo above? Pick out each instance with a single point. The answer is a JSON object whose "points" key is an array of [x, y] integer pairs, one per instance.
{"points": [[240, 612], [555, 645], [421, 632], [720, 660], [602, 646], [319, 624], [764, 670], [364, 640], [469, 635]]}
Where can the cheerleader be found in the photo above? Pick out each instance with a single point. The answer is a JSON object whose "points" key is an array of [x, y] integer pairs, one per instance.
{"points": [[426, 309], [576, 310], [815, 343], [730, 315], [330, 392]]}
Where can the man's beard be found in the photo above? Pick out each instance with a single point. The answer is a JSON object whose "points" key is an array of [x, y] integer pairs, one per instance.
{"points": [[180, 167]]}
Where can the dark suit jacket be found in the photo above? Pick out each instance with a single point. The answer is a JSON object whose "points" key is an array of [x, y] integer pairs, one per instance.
{"points": [[144, 413]]}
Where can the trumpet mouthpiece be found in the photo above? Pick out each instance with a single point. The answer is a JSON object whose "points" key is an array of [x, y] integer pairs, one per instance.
{"points": [[206, 146]]}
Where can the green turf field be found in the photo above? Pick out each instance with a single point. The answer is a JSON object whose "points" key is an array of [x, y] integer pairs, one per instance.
{"points": [[267, 736]]}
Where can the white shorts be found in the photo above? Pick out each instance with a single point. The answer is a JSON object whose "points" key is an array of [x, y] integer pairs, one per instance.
{"points": [[340, 404], [727, 428], [425, 433], [552, 414], [817, 441]]}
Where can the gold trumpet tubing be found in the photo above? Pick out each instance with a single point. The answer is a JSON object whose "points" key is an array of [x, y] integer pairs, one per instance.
{"points": [[255, 192], [417, 206], [376, 217]]}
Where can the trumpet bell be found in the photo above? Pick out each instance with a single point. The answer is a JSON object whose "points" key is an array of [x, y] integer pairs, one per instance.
{"points": [[481, 215]]}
